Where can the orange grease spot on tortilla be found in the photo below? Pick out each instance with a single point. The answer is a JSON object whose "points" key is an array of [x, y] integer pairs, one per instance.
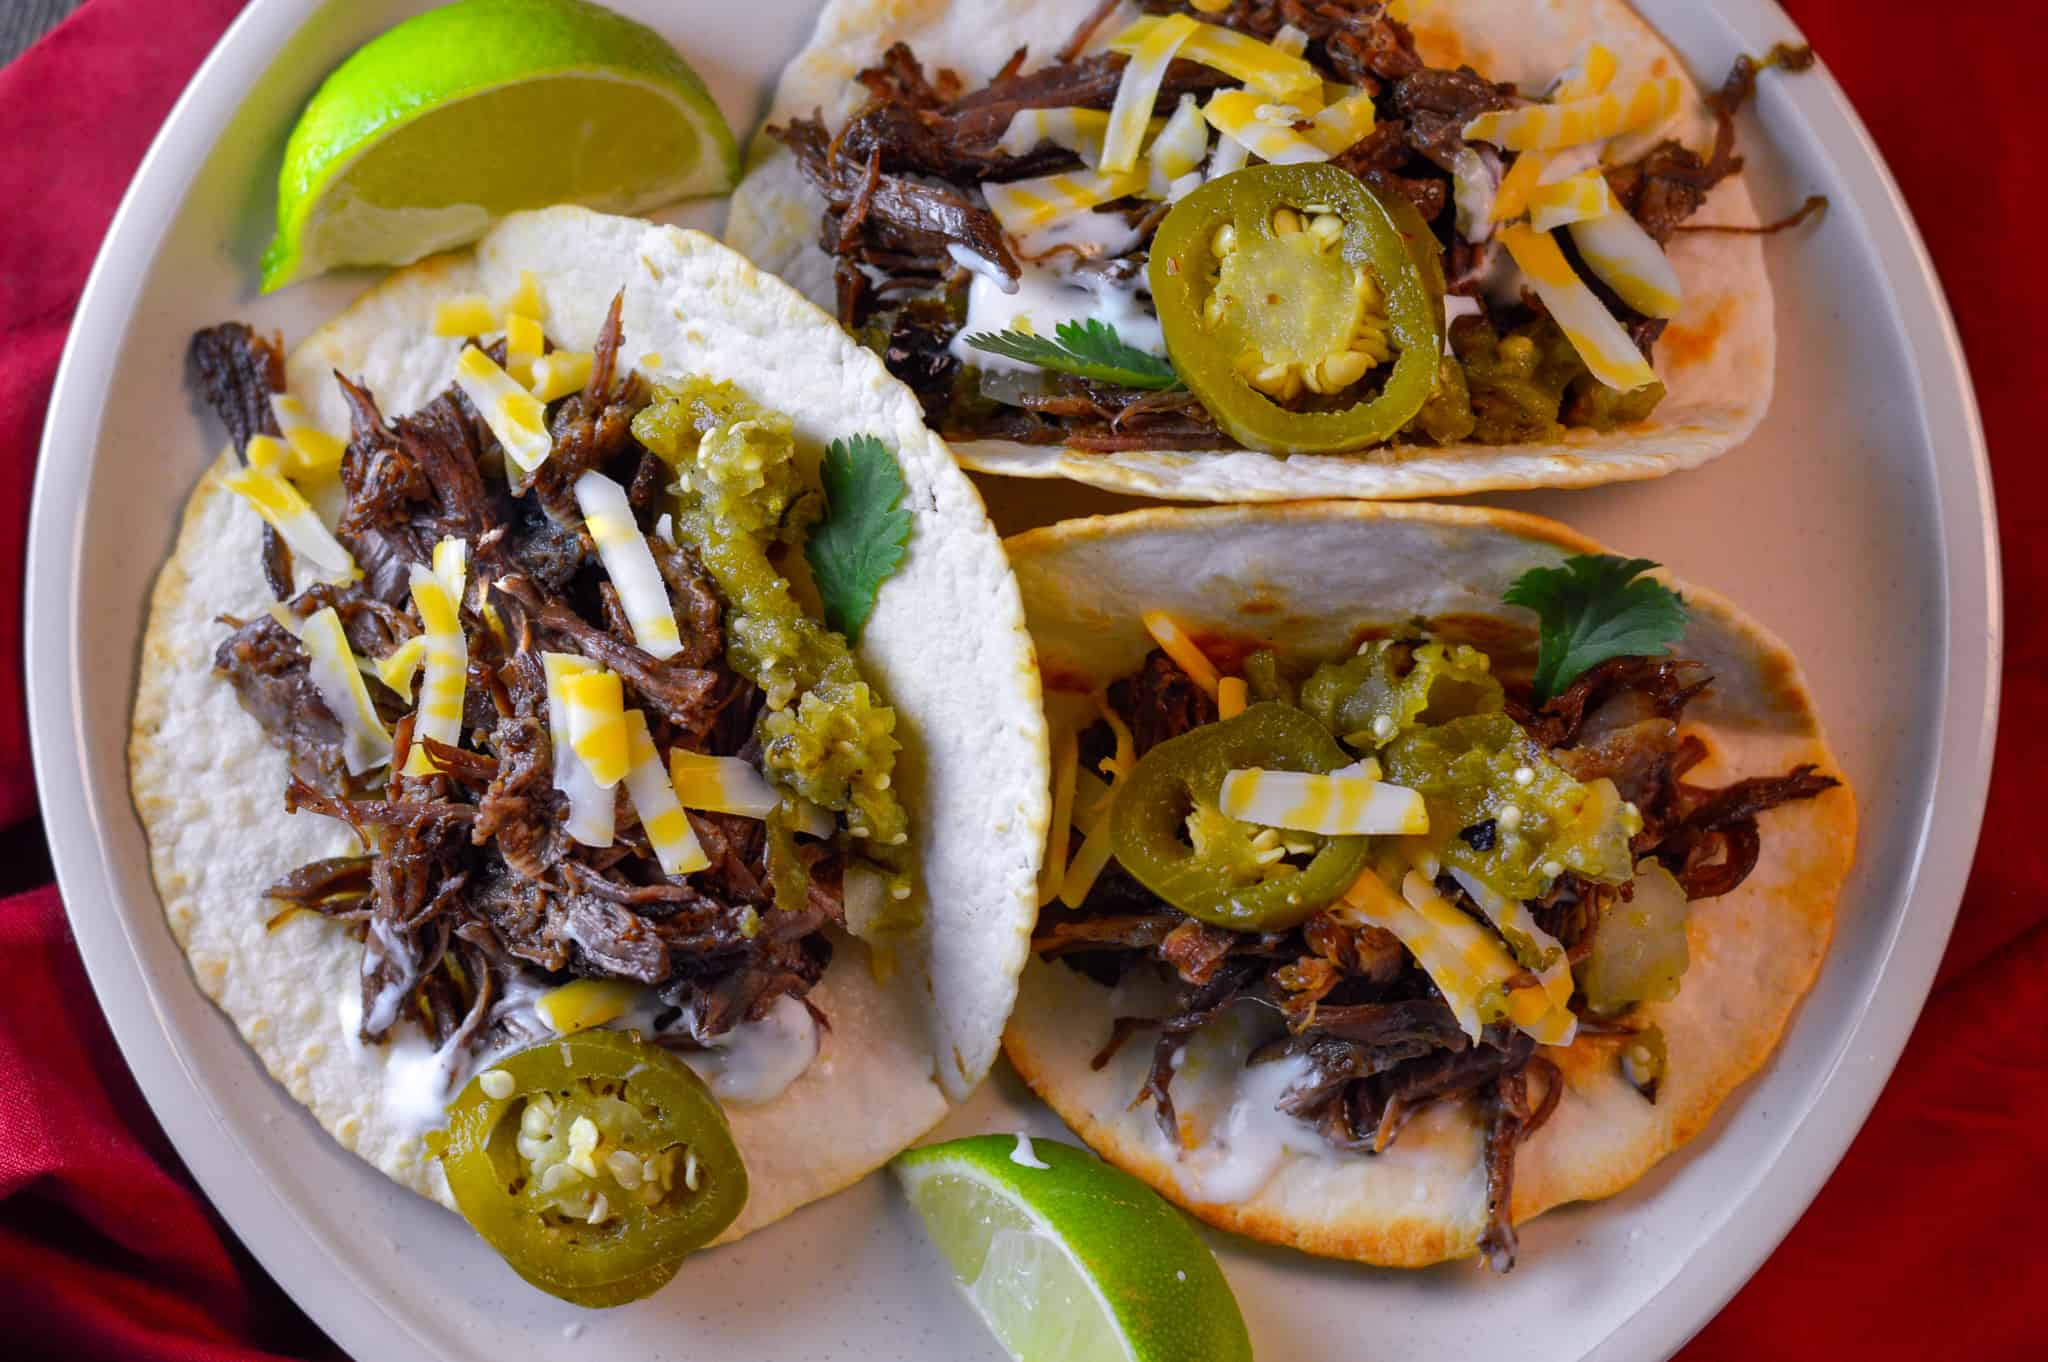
{"points": [[1686, 344], [1228, 651], [1260, 605], [1053, 676]]}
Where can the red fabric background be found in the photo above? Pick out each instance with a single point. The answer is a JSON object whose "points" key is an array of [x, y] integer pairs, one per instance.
{"points": [[1921, 1246]]}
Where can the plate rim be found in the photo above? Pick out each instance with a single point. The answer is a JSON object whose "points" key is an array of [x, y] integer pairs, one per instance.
{"points": [[310, 1269]]}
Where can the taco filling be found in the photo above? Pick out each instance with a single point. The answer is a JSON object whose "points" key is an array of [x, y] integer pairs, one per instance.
{"points": [[543, 645], [1402, 874], [1263, 225]]}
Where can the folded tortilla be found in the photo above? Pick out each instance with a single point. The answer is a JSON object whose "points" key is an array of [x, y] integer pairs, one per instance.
{"points": [[1306, 579], [946, 646], [1715, 358]]}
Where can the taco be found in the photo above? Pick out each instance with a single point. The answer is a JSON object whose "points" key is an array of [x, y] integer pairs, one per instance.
{"points": [[1464, 255], [1407, 913], [530, 821]]}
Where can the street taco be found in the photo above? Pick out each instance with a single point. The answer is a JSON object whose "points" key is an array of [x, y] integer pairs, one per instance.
{"points": [[615, 816], [1462, 243], [1382, 914]]}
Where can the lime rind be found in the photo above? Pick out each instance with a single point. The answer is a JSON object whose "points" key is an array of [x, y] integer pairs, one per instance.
{"points": [[465, 51], [1146, 1268]]}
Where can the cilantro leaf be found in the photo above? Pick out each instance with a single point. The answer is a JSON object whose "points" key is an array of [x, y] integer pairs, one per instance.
{"points": [[1595, 607], [1090, 349], [862, 536]]}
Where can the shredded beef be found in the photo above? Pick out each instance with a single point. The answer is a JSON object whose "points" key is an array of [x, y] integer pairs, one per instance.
{"points": [[1714, 845], [237, 371], [471, 877], [1160, 702], [899, 215], [271, 674], [386, 490]]}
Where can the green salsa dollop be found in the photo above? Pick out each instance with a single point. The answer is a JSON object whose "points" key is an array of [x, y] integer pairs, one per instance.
{"points": [[743, 498]]}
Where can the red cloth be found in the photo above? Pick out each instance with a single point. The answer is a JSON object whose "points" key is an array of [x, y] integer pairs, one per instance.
{"points": [[1921, 1245]]}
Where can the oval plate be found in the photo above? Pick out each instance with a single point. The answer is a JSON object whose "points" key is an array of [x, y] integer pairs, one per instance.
{"points": [[1857, 524]]}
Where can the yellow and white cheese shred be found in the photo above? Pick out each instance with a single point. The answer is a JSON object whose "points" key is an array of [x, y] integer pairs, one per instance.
{"points": [[1587, 324], [1024, 206], [1629, 261], [288, 512], [1572, 199], [1282, 76], [514, 415], [1096, 845], [314, 451], [1229, 157], [1231, 695], [720, 785], [592, 809], [1588, 77], [561, 372], [466, 314], [1343, 804], [1080, 131], [446, 659], [1574, 122], [1554, 1023], [1264, 128], [1462, 958], [1343, 123], [396, 668], [630, 564], [1178, 151], [526, 299], [661, 816], [523, 346], [366, 743], [451, 565], [1174, 642], [582, 1004], [596, 705], [1131, 115]]}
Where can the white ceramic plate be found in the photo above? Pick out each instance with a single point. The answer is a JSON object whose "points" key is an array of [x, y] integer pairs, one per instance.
{"points": [[1857, 523]]}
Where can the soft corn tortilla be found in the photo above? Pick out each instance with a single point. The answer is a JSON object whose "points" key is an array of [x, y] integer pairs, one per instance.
{"points": [[1306, 578], [1715, 358], [946, 645]]}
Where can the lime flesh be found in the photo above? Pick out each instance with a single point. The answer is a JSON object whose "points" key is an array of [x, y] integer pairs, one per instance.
{"points": [[1075, 1262], [451, 120]]}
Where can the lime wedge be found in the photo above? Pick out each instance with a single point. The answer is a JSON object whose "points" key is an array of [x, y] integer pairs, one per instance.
{"points": [[451, 120], [1075, 1261]]}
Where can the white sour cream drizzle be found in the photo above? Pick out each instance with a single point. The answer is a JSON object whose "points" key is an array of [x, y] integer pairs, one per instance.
{"points": [[1049, 293], [752, 1063], [1457, 305], [1246, 1147], [755, 1061], [1026, 1156]]}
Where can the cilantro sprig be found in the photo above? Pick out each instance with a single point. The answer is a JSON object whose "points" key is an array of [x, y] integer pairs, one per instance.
{"points": [[1087, 349], [1594, 607], [864, 533]]}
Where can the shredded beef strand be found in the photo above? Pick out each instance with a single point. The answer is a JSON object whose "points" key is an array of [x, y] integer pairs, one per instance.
{"points": [[1814, 206], [1160, 702]]}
